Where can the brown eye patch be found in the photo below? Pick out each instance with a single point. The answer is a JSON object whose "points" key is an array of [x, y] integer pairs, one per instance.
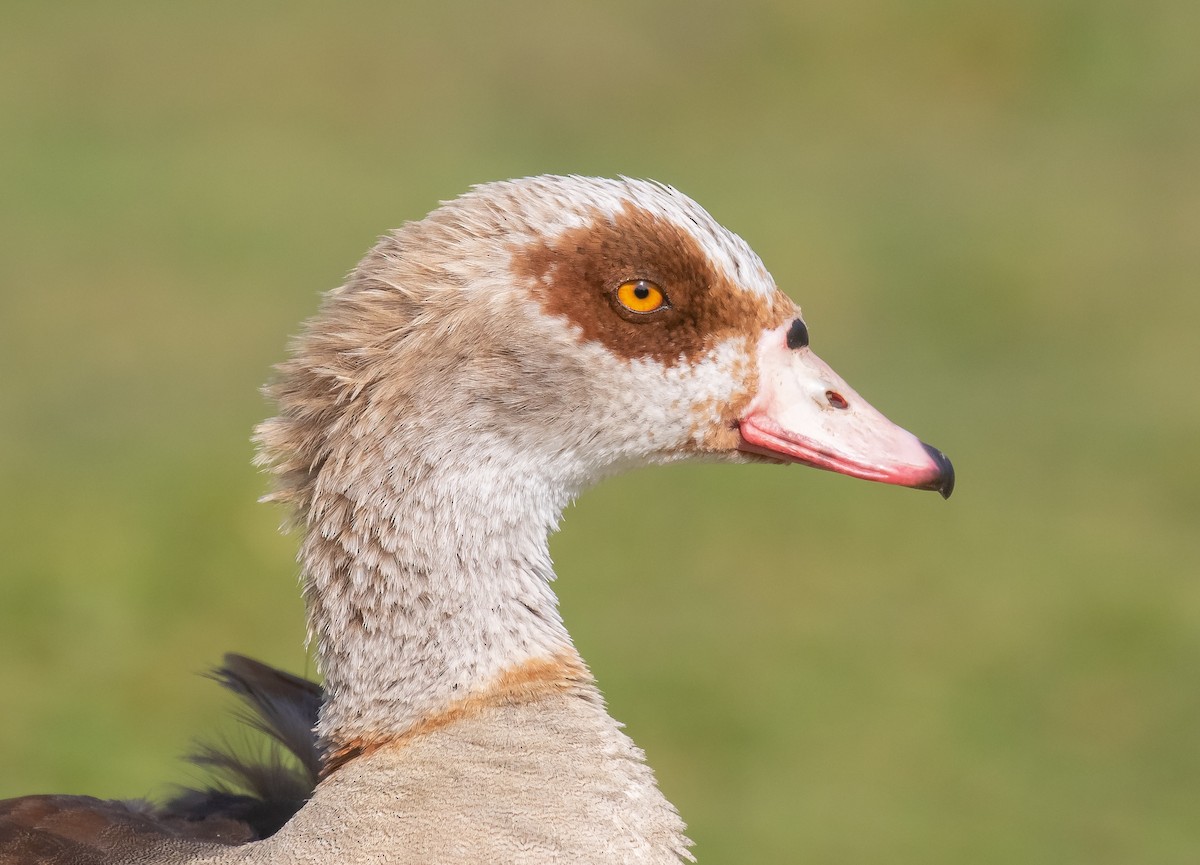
{"points": [[578, 273]]}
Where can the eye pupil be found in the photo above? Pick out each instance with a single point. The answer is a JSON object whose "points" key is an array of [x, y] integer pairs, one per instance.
{"points": [[641, 291]]}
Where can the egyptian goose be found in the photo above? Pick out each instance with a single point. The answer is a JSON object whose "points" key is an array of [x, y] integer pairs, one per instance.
{"points": [[477, 370]]}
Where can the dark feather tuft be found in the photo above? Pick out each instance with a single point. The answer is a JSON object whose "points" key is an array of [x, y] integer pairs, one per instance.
{"points": [[266, 788]]}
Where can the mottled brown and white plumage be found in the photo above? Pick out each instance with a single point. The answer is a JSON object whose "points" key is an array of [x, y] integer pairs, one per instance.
{"points": [[479, 369]]}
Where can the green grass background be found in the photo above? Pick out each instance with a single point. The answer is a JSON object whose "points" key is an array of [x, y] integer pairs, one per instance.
{"points": [[991, 214]]}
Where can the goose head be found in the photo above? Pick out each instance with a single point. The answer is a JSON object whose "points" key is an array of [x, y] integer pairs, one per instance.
{"points": [[481, 367], [561, 329]]}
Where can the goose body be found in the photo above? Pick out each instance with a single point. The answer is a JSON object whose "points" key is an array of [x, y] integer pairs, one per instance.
{"points": [[477, 370]]}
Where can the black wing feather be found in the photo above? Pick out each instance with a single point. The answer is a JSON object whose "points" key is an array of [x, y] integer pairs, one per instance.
{"points": [[249, 799]]}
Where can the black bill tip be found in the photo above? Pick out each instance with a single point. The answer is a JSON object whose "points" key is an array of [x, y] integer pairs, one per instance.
{"points": [[943, 481]]}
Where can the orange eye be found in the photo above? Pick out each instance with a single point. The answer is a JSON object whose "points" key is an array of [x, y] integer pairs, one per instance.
{"points": [[641, 296]]}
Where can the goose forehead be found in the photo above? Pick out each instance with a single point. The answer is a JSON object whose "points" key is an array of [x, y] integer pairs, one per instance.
{"points": [[554, 205]]}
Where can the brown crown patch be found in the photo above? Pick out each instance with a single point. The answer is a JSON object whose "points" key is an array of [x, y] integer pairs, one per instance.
{"points": [[577, 273]]}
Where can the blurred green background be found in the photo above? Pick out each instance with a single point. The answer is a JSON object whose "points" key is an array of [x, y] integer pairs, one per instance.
{"points": [[991, 214]]}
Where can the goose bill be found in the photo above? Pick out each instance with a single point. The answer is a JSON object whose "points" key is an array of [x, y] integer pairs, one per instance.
{"points": [[804, 412]]}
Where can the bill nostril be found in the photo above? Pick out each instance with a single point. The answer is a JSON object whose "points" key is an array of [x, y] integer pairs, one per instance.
{"points": [[836, 400]]}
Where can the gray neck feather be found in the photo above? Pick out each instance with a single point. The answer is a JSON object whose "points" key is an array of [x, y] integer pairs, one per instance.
{"points": [[426, 578]]}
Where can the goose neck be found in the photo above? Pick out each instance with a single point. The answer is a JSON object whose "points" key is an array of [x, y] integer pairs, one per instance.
{"points": [[428, 586]]}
